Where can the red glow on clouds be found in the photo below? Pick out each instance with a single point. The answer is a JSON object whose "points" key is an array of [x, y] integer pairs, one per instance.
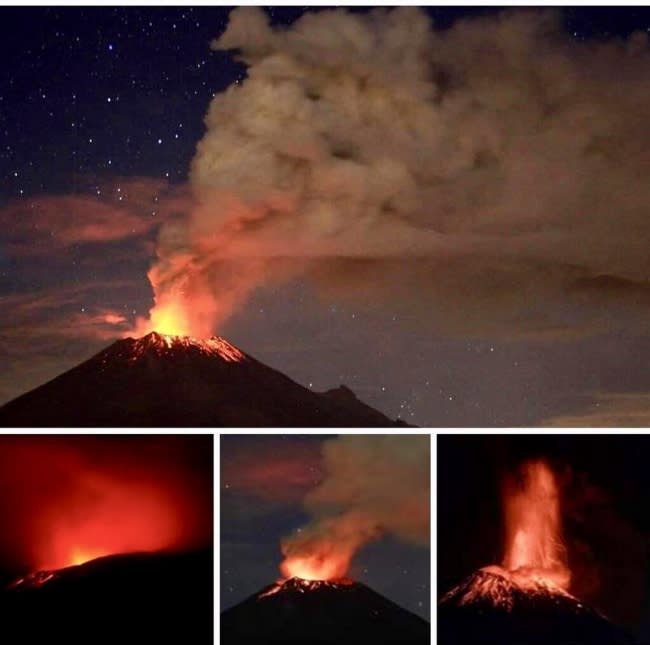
{"points": [[287, 477], [105, 516], [67, 500]]}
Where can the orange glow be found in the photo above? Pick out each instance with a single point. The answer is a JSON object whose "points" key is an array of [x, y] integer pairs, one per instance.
{"points": [[119, 517], [315, 567], [75, 499], [79, 556], [534, 552], [169, 316]]}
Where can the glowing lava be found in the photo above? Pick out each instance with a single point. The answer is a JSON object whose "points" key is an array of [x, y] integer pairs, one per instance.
{"points": [[302, 585], [168, 317], [315, 567], [79, 556], [534, 552], [162, 344]]}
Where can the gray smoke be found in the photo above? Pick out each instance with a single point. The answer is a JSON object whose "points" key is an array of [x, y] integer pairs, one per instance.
{"points": [[373, 486], [491, 175]]}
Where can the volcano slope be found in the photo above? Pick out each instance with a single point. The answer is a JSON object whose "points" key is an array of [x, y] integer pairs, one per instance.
{"points": [[128, 599], [339, 612], [179, 381], [490, 609]]}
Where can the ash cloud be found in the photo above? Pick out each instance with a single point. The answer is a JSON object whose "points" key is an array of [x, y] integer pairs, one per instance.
{"points": [[372, 486], [485, 177]]}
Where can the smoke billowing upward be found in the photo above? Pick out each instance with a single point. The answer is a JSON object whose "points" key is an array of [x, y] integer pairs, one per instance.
{"points": [[373, 486], [465, 173]]}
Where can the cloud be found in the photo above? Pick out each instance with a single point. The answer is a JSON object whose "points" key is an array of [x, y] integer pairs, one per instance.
{"points": [[372, 486], [119, 210], [630, 410], [270, 472], [484, 177], [47, 331]]}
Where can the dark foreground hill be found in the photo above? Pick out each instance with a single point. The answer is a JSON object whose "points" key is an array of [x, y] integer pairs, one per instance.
{"points": [[321, 613], [489, 609], [129, 599], [175, 381]]}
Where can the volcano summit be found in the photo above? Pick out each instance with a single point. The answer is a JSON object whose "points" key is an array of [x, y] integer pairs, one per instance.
{"points": [[178, 381], [488, 608], [321, 612]]}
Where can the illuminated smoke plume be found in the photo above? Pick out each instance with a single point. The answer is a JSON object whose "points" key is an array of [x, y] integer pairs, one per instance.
{"points": [[534, 551], [487, 176], [373, 486], [66, 500]]}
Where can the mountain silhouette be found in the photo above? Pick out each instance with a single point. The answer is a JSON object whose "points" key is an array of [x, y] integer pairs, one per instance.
{"points": [[490, 609], [129, 599], [321, 613], [178, 381]]}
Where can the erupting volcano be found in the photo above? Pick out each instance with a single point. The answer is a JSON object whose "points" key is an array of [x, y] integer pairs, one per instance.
{"points": [[106, 538], [163, 380], [525, 600], [323, 612]]}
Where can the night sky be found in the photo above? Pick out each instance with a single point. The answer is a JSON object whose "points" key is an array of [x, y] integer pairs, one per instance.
{"points": [[264, 480], [101, 110], [604, 484]]}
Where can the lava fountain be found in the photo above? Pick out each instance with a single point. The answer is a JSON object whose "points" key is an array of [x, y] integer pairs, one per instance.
{"points": [[169, 316], [534, 551]]}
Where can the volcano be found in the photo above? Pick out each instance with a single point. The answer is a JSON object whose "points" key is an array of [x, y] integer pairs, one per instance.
{"points": [[321, 612], [179, 381], [491, 608], [130, 599]]}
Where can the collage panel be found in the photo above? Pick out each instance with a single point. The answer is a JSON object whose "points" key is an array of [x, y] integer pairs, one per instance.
{"points": [[434, 216], [543, 538], [325, 539], [107, 538], [321, 235]]}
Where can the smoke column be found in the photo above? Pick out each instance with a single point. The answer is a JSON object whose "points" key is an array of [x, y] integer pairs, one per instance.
{"points": [[467, 173], [373, 486]]}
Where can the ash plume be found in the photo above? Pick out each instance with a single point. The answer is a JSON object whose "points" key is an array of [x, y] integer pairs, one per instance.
{"points": [[373, 486], [485, 177]]}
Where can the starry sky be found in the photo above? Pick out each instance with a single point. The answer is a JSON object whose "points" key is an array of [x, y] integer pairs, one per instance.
{"points": [[101, 109], [604, 488], [264, 480]]}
